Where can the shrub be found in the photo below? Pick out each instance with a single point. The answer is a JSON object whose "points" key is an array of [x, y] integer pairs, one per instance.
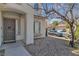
{"points": [[77, 33]]}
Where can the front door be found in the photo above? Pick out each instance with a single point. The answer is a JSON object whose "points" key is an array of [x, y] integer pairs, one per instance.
{"points": [[8, 30]]}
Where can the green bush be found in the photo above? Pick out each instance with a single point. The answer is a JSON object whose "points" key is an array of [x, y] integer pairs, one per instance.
{"points": [[77, 33]]}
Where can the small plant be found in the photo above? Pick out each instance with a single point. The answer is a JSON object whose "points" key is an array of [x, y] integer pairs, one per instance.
{"points": [[76, 45], [77, 33]]}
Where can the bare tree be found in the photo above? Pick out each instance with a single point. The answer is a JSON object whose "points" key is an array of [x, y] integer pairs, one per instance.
{"points": [[67, 12]]}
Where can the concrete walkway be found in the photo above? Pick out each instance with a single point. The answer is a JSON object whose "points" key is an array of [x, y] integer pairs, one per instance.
{"points": [[16, 49]]}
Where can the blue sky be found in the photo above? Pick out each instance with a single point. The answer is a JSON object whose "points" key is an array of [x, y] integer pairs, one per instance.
{"points": [[50, 21]]}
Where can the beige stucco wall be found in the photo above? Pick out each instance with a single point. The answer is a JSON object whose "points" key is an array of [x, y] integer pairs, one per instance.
{"points": [[26, 22], [43, 28], [21, 35], [29, 29]]}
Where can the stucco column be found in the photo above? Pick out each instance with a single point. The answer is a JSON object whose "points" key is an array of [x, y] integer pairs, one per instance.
{"points": [[1, 29], [29, 29], [43, 28]]}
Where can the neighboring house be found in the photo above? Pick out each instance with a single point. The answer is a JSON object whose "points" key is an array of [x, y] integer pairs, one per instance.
{"points": [[17, 23], [61, 25], [50, 26]]}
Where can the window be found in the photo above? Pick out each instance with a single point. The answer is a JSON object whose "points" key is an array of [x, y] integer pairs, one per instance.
{"points": [[36, 9], [37, 27], [36, 6]]}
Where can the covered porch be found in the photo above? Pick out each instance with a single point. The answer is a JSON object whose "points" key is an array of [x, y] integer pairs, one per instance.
{"points": [[19, 29]]}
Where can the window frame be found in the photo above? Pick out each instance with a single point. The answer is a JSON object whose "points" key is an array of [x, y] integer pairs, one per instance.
{"points": [[39, 28]]}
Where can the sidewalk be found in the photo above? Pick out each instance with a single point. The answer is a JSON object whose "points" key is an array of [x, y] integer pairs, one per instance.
{"points": [[16, 49]]}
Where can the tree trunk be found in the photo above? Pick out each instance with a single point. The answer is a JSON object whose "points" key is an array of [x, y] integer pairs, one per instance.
{"points": [[71, 43]]}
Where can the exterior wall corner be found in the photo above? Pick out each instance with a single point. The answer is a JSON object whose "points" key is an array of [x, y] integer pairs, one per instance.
{"points": [[29, 29]]}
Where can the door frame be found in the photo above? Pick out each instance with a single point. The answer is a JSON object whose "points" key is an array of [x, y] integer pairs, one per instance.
{"points": [[14, 30]]}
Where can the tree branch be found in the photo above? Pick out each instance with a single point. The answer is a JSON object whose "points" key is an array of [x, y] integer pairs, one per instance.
{"points": [[63, 17]]}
